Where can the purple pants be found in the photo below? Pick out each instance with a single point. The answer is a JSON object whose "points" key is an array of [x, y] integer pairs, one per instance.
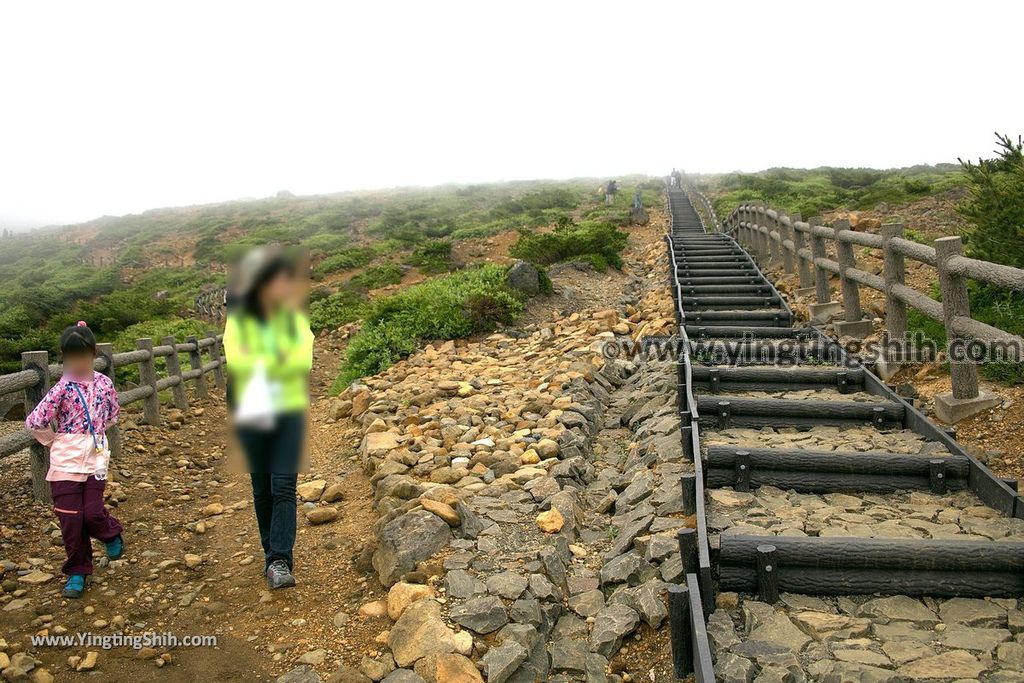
{"points": [[82, 517]]}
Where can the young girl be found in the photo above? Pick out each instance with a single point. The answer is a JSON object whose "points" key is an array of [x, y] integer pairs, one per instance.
{"points": [[83, 404]]}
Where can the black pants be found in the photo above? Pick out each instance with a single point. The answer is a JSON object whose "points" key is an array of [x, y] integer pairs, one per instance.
{"points": [[273, 458]]}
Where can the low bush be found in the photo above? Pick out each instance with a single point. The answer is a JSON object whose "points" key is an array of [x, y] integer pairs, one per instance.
{"points": [[343, 260], [449, 307], [377, 276], [814, 191], [1001, 309], [599, 243], [335, 310], [432, 257]]}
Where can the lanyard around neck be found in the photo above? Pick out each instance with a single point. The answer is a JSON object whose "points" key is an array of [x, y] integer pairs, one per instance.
{"points": [[88, 417]]}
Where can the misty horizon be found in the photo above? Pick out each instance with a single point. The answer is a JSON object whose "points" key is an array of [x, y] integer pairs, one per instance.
{"points": [[20, 224], [109, 118]]}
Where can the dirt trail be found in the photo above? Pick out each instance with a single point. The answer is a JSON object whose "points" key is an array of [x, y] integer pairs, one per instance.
{"points": [[168, 476], [192, 566]]}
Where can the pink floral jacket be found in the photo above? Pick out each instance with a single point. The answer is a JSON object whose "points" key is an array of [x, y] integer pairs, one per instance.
{"points": [[73, 456]]}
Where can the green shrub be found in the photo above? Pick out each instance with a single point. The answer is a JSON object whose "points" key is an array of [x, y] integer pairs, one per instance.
{"points": [[1001, 309], [811, 192], [432, 257], [595, 261], [601, 244], [995, 205], [155, 330], [377, 276], [335, 310], [449, 307], [547, 287], [343, 260]]}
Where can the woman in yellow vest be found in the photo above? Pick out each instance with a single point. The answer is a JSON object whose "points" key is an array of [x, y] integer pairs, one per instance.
{"points": [[269, 350]]}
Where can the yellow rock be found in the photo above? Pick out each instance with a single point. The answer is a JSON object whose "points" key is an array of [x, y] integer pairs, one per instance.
{"points": [[550, 522], [213, 509], [442, 510], [377, 608], [402, 595], [448, 668], [530, 457]]}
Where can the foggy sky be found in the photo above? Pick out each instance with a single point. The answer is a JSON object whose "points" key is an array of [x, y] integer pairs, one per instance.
{"points": [[112, 108]]}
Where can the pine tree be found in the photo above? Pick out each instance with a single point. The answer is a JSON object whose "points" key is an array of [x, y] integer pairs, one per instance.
{"points": [[995, 204]]}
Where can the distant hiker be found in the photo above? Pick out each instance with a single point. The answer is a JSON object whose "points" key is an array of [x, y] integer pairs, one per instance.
{"points": [[638, 201], [83, 403], [672, 180], [269, 350], [610, 190]]}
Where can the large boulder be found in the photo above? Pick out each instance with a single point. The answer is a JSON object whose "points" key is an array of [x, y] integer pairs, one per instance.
{"points": [[639, 216], [524, 276], [409, 539]]}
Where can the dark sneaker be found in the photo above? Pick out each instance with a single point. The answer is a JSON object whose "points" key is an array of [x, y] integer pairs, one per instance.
{"points": [[279, 575], [74, 587]]}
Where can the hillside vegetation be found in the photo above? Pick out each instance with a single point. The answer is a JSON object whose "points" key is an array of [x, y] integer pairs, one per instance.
{"points": [[812, 192], [138, 275]]}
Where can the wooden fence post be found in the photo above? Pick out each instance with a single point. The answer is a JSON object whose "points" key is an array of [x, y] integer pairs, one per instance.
{"points": [[106, 352], [195, 359], [844, 254], [689, 485], [681, 635], [217, 354], [894, 274], [39, 455], [687, 539], [748, 233], [784, 234], [802, 266], [775, 248], [818, 250], [147, 377], [853, 324], [755, 233], [764, 249], [955, 304], [174, 370], [767, 574]]}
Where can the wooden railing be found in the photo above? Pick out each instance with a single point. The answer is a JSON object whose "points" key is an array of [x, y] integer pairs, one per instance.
{"points": [[703, 206], [37, 375], [806, 247]]}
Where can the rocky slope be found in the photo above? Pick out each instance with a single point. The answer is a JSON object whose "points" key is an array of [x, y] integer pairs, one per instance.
{"points": [[526, 491]]}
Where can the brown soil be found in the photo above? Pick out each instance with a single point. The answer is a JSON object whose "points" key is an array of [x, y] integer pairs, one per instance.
{"points": [[260, 633], [168, 475]]}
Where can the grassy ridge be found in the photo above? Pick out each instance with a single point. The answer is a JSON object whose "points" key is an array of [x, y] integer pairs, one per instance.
{"points": [[120, 272], [814, 191], [137, 275]]}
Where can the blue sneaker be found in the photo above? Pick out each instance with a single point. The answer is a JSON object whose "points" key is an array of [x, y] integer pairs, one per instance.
{"points": [[74, 587], [115, 548]]}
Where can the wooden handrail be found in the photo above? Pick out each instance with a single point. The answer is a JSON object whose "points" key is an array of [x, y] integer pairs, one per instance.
{"points": [[773, 236], [38, 373]]}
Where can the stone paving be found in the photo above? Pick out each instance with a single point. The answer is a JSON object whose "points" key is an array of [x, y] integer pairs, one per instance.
{"points": [[822, 438], [867, 639], [770, 511]]}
